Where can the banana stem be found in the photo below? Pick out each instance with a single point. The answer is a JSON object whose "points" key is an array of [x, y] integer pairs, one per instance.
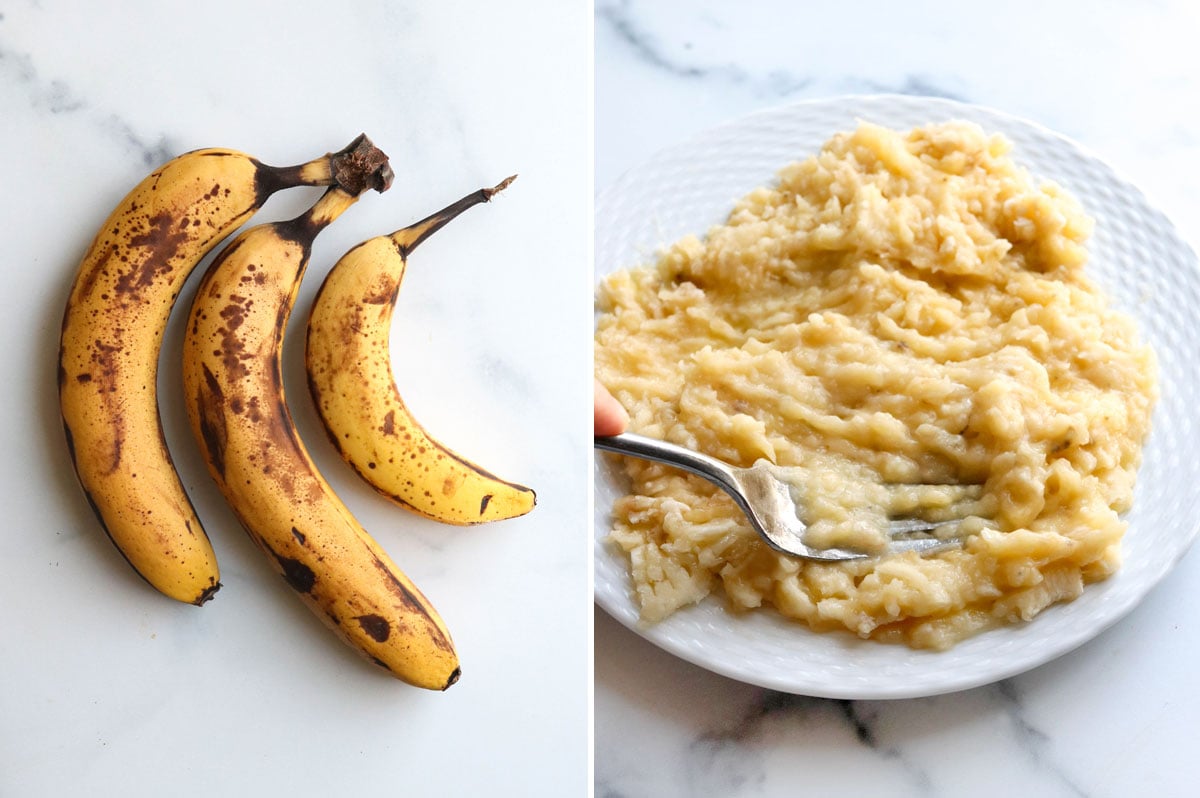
{"points": [[305, 227], [356, 167], [332, 204], [409, 238], [363, 166]]}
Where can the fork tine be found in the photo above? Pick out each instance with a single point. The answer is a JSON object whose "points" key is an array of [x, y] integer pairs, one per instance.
{"points": [[923, 545], [768, 503], [908, 526]]}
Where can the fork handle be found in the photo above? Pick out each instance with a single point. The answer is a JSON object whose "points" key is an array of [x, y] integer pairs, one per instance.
{"points": [[710, 468]]}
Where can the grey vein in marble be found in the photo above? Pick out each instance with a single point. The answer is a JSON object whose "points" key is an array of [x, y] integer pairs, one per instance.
{"points": [[500, 371], [1031, 739], [730, 760], [151, 153], [915, 85], [718, 760], [863, 718], [58, 98], [861, 725], [54, 95], [777, 82], [648, 49]]}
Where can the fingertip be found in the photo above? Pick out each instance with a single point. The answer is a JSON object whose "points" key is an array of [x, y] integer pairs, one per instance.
{"points": [[610, 417]]}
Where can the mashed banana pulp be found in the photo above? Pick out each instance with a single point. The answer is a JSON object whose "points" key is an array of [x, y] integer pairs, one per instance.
{"points": [[904, 307]]}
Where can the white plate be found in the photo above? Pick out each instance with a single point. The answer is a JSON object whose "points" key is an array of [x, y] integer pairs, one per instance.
{"points": [[1136, 255]]}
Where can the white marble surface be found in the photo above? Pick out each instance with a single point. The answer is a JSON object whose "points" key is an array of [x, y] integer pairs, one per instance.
{"points": [[106, 688], [1116, 717]]}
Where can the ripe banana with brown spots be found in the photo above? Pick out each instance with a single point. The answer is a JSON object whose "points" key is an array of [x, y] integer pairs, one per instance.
{"points": [[112, 333], [351, 379], [233, 390]]}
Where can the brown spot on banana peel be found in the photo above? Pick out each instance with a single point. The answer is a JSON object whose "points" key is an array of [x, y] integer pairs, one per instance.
{"points": [[88, 283], [233, 352], [163, 240], [105, 365], [376, 626], [299, 576], [254, 410], [210, 406], [118, 444], [385, 293], [279, 433], [105, 359], [279, 450]]}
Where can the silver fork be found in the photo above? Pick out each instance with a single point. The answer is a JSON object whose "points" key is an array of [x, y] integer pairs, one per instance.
{"points": [[767, 501]]}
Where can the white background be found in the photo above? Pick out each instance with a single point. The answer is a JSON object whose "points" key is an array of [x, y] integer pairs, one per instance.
{"points": [[107, 688]]}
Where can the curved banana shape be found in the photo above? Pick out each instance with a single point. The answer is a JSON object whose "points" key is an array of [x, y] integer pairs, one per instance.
{"points": [[234, 395], [112, 332], [350, 376]]}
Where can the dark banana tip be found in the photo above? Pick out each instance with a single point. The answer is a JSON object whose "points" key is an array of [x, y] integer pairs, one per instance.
{"points": [[453, 678], [488, 193], [208, 593]]}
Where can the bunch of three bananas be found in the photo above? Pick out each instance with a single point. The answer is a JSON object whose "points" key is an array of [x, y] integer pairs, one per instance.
{"points": [[112, 333]]}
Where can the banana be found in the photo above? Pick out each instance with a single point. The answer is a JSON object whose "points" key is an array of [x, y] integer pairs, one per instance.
{"points": [[233, 391], [350, 376], [112, 332]]}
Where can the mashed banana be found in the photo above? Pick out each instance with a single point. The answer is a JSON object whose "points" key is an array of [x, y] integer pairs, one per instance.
{"points": [[901, 308]]}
